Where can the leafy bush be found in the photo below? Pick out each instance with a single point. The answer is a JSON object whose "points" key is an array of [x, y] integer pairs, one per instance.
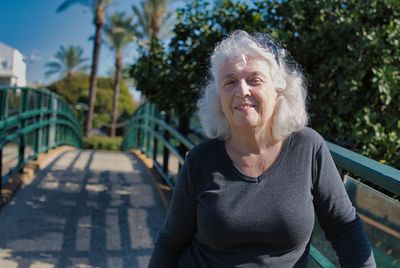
{"points": [[102, 143], [75, 89], [349, 50]]}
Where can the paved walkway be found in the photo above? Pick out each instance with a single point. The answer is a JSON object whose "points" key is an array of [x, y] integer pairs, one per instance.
{"points": [[85, 209]]}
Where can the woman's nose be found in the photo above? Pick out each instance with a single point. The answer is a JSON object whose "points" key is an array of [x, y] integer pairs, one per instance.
{"points": [[243, 89]]}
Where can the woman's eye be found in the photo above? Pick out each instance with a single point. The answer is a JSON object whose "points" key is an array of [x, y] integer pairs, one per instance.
{"points": [[255, 81], [229, 82]]}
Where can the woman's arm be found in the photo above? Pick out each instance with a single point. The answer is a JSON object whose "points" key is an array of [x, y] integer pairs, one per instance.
{"points": [[180, 224], [337, 216]]}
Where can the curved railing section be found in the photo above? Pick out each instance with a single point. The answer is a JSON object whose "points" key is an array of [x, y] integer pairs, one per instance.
{"points": [[31, 122], [155, 134]]}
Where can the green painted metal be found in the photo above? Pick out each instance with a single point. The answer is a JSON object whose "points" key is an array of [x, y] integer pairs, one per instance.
{"points": [[319, 258], [167, 127], [36, 120], [368, 169], [171, 147], [144, 126]]}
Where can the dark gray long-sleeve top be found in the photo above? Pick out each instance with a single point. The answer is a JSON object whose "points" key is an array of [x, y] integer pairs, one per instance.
{"points": [[219, 217]]}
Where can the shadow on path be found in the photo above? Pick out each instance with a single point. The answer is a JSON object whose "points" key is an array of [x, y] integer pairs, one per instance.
{"points": [[85, 209]]}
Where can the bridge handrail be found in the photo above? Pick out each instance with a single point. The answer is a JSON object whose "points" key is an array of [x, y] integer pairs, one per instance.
{"points": [[144, 126], [167, 127], [15, 119], [34, 118], [377, 173]]}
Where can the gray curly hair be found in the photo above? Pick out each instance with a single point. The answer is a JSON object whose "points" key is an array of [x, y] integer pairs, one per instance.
{"points": [[290, 113]]}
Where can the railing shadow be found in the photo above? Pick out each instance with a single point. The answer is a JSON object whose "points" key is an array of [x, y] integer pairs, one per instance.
{"points": [[83, 214]]}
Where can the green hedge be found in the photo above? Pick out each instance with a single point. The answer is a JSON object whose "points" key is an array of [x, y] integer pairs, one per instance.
{"points": [[102, 143], [348, 49]]}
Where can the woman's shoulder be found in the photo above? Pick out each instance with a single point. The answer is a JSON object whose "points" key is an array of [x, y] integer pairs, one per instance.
{"points": [[308, 136], [206, 148]]}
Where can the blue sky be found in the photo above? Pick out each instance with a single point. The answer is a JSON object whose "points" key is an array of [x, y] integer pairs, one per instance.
{"points": [[34, 28]]}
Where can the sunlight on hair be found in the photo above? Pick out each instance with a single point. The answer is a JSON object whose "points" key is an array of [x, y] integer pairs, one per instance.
{"points": [[290, 113]]}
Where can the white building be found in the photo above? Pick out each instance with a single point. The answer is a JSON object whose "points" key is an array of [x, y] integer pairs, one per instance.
{"points": [[12, 67]]}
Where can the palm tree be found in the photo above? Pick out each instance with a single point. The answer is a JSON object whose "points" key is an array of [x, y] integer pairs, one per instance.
{"points": [[98, 7], [154, 22], [118, 33], [153, 18], [68, 61]]}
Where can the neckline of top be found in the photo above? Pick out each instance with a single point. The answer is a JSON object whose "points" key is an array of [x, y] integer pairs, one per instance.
{"points": [[266, 172]]}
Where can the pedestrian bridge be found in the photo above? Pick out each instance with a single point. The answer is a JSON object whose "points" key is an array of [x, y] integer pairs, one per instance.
{"points": [[83, 209], [89, 208]]}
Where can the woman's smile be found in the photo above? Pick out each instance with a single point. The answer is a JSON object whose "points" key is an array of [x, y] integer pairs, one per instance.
{"points": [[245, 106]]}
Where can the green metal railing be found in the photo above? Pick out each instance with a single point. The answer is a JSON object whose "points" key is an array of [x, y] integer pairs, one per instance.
{"points": [[31, 122], [155, 134]]}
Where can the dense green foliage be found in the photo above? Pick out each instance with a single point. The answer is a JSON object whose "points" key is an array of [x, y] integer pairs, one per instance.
{"points": [[151, 74], [102, 143], [349, 51], [75, 90]]}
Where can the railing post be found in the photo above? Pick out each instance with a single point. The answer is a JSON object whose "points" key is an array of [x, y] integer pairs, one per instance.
{"points": [[38, 132], [150, 125], [155, 141], [132, 134], [138, 134], [21, 148], [3, 116], [60, 127], [167, 120], [57, 127], [149, 113], [141, 131], [184, 130], [49, 127], [146, 133]]}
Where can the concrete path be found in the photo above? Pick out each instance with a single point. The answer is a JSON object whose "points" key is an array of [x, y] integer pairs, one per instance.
{"points": [[85, 209]]}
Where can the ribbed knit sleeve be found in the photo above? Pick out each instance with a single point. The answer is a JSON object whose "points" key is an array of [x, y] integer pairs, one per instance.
{"points": [[337, 216], [180, 224]]}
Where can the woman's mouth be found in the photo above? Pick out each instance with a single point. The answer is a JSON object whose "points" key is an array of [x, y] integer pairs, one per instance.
{"points": [[244, 106]]}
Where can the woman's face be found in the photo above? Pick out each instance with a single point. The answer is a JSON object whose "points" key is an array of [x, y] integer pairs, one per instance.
{"points": [[246, 92]]}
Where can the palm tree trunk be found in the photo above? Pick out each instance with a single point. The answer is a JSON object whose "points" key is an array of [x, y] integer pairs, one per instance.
{"points": [[118, 64], [99, 22]]}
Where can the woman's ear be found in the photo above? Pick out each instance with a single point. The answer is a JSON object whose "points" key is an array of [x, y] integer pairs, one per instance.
{"points": [[278, 91]]}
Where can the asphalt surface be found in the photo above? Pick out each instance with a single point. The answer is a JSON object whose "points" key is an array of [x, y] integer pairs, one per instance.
{"points": [[85, 209]]}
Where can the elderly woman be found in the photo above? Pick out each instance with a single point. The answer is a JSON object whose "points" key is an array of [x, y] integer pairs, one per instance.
{"points": [[248, 196]]}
